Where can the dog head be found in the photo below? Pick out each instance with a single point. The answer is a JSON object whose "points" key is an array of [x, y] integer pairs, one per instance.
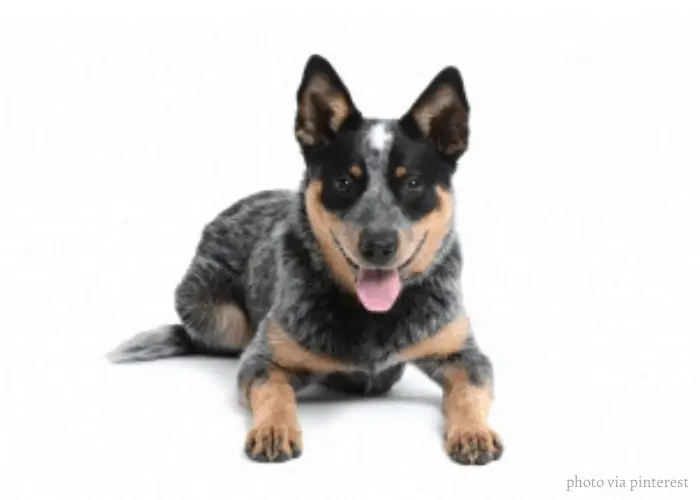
{"points": [[378, 195]]}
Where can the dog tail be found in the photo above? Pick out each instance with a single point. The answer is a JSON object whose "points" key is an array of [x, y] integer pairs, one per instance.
{"points": [[163, 342]]}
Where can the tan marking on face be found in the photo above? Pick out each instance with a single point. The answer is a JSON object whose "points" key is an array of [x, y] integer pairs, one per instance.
{"points": [[400, 172], [275, 426], [449, 340], [466, 408], [322, 223], [286, 352], [232, 326], [437, 225], [356, 171], [320, 92]]}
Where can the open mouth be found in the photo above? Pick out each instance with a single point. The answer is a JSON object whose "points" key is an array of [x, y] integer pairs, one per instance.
{"points": [[378, 288]]}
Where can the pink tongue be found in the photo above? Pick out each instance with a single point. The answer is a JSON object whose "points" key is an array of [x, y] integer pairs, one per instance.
{"points": [[378, 289]]}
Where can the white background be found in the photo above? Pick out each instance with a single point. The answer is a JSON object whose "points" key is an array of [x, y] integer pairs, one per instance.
{"points": [[124, 129]]}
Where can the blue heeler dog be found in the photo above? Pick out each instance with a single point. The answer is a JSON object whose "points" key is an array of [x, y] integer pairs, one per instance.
{"points": [[345, 280]]}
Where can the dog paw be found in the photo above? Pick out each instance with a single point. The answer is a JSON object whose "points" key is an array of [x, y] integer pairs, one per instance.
{"points": [[273, 442], [473, 445]]}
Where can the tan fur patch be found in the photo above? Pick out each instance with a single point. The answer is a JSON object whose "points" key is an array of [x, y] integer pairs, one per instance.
{"points": [[322, 223], [466, 406], [275, 426], [448, 340], [464, 402], [232, 326], [320, 91], [286, 352], [436, 224], [356, 171], [400, 172]]}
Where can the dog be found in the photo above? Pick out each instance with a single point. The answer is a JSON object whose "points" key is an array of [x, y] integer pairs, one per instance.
{"points": [[346, 280]]}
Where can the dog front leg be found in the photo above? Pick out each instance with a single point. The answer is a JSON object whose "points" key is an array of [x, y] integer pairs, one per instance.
{"points": [[270, 393], [273, 368], [467, 382]]}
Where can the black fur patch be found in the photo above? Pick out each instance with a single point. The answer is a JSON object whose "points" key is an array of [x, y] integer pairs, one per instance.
{"points": [[415, 191], [332, 166]]}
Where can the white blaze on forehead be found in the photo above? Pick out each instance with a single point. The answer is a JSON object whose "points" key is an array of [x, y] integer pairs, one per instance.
{"points": [[380, 137]]}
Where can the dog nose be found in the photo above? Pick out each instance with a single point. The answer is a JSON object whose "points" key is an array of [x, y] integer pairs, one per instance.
{"points": [[378, 246]]}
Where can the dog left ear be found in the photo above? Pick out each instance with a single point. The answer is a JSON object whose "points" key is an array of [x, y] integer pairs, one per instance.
{"points": [[441, 115]]}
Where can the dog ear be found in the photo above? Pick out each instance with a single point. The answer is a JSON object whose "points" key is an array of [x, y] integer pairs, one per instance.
{"points": [[441, 115], [324, 105]]}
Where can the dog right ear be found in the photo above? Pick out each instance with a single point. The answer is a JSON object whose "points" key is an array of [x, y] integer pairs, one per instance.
{"points": [[324, 105], [441, 115]]}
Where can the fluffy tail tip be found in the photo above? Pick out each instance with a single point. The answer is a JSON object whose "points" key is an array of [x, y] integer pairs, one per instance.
{"points": [[162, 342]]}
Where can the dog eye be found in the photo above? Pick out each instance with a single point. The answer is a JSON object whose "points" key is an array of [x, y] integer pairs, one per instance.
{"points": [[342, 184], [413, 186]]}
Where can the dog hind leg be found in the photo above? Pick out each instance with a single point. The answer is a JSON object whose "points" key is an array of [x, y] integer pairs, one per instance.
{"points": [[208, 301]]}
